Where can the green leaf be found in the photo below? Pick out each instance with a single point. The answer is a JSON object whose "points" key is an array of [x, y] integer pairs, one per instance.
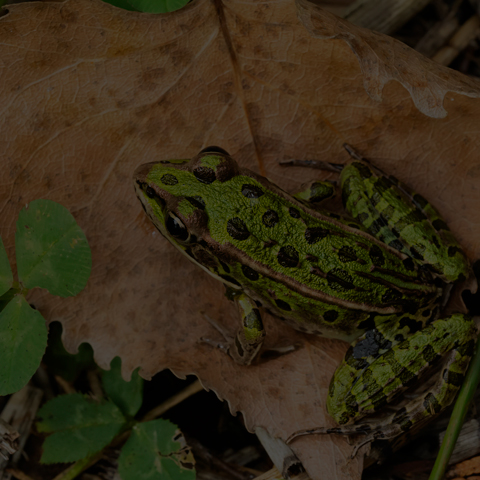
{"points": [[157, 6], [52, 250], [23, 338], [6, 277], [80, 427], [127, 396], [6, 297], [156, 450], [59, 361]]}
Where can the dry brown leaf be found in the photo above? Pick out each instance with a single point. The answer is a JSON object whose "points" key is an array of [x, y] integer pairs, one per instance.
{"points": [[465, 469], [90, 91]]}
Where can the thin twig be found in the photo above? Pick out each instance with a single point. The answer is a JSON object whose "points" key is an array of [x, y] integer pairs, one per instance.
{"points": [[193, 388]]}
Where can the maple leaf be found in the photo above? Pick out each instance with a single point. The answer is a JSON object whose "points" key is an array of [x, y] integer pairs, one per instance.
{"points": [[90, 91]]}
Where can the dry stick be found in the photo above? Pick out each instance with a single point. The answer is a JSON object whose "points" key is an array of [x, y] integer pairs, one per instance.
{"points": [[465, 34], [212, 460], [193, 388], [20, 412], [18, 474], [384, 16], [67, 387], [439, 34]]}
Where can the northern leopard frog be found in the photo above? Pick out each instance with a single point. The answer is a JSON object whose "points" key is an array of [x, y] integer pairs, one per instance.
{"points": [[376, 279]]}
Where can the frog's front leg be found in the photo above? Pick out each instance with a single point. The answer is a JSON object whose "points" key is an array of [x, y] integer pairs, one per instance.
{"points": [[246, 344], [361, 387]]}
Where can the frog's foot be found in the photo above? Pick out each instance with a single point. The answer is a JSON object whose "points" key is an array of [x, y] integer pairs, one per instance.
{"points": [[246, 344]]}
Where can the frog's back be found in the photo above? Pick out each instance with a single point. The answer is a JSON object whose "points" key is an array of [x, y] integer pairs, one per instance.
{"points": [[306, 267]]}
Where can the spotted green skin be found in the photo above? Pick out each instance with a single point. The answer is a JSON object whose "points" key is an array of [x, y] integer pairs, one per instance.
{"points": [[376, 281]]}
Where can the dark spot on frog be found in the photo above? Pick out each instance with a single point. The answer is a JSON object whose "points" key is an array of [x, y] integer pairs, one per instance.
{"points": [[313, 235], [452, 251], [270, 218], [439, 224], [288, 257], [467, 348], [395, 231], [169, 179], [237, 229], [453, 378], [375, 227], [225, 267], [363, 170], [426, 313], [294, 213], [330, 316], [205, 174], [150, 192], [251, 191], [399, 338], [347, 254], [165, 162], [362, 217], [339, 279], [376, 255], [250, 273], [431, 403], [408, 264], [197, 201], [412, 324], [396, 244], [369, 323], [419, 201], [435, 241], [283, 305], [415, 253]]}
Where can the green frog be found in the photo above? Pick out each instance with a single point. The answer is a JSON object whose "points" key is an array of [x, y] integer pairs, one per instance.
{"points": [[376, 278]]}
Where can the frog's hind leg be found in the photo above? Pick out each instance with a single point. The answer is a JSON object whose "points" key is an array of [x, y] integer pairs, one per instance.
{"points": [[450, 341], [402, 219]]}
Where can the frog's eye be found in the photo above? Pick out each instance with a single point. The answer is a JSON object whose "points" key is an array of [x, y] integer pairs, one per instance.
{"points": [[214, 149], [176, 228]]}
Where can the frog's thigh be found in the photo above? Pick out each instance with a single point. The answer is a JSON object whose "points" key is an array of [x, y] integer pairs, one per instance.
{"points": [[315, 192], [402, 219], [452, 338], [250, 334]]}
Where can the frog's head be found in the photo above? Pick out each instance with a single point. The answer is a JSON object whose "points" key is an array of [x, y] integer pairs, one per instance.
{"points": [[175, 194]]}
